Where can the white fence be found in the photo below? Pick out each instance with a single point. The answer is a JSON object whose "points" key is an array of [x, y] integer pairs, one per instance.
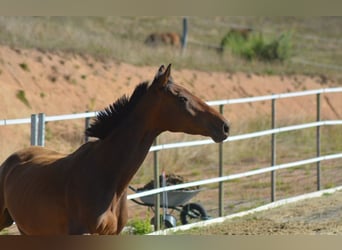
{"points": [[37, 137]]}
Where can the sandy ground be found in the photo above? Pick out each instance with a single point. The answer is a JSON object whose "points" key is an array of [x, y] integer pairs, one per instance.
{"points": [[314, 216]]}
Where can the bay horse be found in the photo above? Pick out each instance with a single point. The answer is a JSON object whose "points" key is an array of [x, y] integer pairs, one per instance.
{"points": [[49, 193], [168, 38]]}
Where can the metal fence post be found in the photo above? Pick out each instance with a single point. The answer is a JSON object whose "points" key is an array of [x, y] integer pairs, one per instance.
{"points": [[273, 152], [156, 185], [221, 204], [34, 122], [184, 34], [41, 129], [318, 141]]}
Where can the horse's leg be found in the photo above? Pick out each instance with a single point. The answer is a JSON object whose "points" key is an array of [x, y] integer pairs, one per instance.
{"points": [[122, 214], [5, 219], [21, 231]]}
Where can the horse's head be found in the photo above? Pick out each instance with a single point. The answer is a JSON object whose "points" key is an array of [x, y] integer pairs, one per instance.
{"points": [[180, 111]]}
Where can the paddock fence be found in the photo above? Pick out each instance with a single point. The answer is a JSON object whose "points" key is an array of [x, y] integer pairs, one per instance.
{"points": [[37, 124]]}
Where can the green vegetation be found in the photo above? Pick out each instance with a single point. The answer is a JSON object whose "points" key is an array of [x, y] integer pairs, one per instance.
{"points": [[314, 40], [4, 232], [140, 226], [256, 47], [24, 66], [22, 97]]}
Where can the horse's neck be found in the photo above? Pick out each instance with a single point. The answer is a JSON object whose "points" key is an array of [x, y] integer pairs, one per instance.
{"points": [[124, 151]]}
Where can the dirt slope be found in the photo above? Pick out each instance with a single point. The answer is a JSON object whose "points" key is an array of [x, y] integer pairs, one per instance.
{"points": [[63, 83]]}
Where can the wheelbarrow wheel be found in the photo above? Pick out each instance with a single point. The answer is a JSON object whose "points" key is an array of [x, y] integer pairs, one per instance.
{"points": [[192, 212], [169, 220]]}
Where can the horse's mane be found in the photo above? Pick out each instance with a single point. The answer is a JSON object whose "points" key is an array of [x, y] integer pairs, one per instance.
{"points": [[112, 116]]}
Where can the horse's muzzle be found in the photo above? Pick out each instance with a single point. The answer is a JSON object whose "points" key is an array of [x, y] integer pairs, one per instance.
{"points": [[221, 133]]}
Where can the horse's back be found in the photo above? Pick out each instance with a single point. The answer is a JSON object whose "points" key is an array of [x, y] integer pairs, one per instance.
{"points": [[24, 166], [32, 183], [30, 161]]}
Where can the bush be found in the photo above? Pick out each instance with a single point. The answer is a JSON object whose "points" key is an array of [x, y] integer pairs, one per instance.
{"points": [[140, 226], [256, 47], [22, 97]]}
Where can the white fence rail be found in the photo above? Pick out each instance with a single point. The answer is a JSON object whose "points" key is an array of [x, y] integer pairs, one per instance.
{"points": [[235, 176], [246, 136], [37, 137]]}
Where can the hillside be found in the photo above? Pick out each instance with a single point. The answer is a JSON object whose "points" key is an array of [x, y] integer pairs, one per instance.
{"points": [[315, 42], [62, 83]]}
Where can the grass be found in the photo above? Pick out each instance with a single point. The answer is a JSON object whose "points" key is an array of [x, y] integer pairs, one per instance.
{"points": [[140, 226], [314, 39], [256, 47], [4, 232], [198, 163], [24, 67]]}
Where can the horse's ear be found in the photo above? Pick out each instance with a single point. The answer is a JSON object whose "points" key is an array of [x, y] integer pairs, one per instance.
{"points": [[162, 77], [168, 71], [160, 70]]}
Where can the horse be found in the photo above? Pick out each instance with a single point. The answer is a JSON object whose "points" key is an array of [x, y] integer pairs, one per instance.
{"points": [[85, 192], [168, 38]]}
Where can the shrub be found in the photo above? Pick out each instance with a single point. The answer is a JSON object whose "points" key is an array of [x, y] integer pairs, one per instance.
{"points": [[257, 47], [22, 97], [141, 226], [24, 66]]}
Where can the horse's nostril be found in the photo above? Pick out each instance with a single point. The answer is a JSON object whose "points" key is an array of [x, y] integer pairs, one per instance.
{"points": [[225, 128]]}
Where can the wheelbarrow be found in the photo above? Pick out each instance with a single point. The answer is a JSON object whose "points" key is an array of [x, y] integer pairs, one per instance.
{"points": [[176, 200]]}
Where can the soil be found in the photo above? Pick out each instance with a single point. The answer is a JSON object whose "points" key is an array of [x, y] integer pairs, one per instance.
{"points": [[314, 216], [34, 81]]}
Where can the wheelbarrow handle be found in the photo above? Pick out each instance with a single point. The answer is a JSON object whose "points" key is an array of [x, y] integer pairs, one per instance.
{"points": [[134, 200], [132, 188]]}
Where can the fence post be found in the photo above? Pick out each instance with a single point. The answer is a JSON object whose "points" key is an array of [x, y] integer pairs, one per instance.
{"points": [[318, 141], [221, 206], [41, 129], [156, 185], [87, 123], [185, 33], [273, 152], [34, 122]]}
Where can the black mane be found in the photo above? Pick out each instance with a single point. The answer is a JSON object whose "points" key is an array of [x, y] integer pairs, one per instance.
{"points": [[111, 117]]}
